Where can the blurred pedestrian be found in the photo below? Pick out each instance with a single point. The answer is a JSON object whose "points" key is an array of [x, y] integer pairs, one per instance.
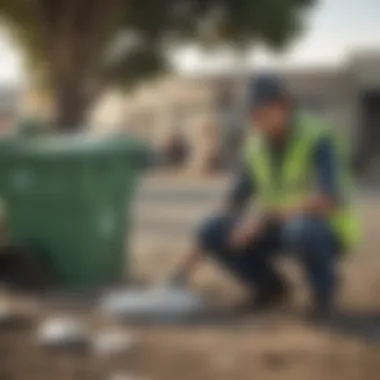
{"points": [[176, 149]]}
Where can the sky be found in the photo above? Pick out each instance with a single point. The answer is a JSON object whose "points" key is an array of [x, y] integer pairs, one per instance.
{"points": [[333, 29]]}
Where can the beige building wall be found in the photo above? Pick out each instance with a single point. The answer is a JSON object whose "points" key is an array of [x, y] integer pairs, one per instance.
{"points": [[189, 104]]}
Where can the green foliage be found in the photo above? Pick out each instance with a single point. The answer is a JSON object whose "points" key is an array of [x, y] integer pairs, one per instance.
{"points": [[239, 23], [39, 24], [67, 39]]}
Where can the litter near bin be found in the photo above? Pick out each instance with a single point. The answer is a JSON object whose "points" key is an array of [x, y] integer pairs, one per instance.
{"points": [[63, 333], [157, 304]]}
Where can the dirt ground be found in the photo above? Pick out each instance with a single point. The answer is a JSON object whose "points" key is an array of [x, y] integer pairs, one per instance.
{"points": [[275, 346]]}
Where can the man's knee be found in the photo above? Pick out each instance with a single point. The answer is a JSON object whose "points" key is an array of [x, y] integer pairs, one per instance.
{"points": [[309, 236], [213, 233]]}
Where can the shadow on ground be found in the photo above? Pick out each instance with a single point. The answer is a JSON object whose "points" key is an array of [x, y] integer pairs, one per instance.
{"points": [[364, 326]]}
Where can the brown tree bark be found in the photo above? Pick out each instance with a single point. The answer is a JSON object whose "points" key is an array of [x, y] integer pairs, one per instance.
{"points": [[71, 105], [75, 35]]}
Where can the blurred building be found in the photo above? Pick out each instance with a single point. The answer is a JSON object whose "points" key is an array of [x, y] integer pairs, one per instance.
{"points": [[348, 95]]}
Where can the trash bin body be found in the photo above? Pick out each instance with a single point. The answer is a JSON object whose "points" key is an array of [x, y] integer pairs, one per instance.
{"points": [[68, 199]]}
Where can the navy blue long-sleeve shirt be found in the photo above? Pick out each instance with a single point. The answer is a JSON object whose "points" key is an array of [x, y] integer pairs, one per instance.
{"points": [[325, 166]]}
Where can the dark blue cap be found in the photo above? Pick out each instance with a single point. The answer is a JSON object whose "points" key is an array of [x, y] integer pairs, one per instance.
{"points": [[266, 88]]}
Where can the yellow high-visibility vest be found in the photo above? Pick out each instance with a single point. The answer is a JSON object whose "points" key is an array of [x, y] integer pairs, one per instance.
{"points": [[297, 174]]}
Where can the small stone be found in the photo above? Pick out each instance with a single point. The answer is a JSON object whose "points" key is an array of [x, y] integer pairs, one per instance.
{"points": [[63, 333]]}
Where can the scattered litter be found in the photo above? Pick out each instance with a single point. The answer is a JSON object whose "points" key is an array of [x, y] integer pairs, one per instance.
{"points": [[113, 342], [63, 333], [157, 304]]}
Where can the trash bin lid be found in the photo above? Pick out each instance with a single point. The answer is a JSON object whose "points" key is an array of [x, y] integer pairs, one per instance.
{"points": [[76, 146]]}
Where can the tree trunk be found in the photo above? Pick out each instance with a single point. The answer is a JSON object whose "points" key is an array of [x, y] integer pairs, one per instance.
{"points": [[74, 36], [71, 105]]}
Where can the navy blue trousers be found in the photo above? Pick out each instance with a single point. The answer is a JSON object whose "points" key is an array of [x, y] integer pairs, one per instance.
{"points": [[309, 239]]}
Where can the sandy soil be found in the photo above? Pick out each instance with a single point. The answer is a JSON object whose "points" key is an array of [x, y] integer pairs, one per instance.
{"points": [[275, 346]]}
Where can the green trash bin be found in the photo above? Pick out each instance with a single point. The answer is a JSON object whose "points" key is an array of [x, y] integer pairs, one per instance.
{"points": [[69, 199], [31, 127]]}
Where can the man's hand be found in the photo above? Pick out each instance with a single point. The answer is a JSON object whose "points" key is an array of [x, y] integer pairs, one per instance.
{"points": [[245, 232], [285, 214], [314, 204]]}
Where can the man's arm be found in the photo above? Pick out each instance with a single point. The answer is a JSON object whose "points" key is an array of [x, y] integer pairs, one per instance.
{"points": [[237, 198], [252, 219], [241, 192]]}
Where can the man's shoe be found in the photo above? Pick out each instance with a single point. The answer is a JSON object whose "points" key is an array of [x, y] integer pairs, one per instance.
{"points": [[267, 298]]}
